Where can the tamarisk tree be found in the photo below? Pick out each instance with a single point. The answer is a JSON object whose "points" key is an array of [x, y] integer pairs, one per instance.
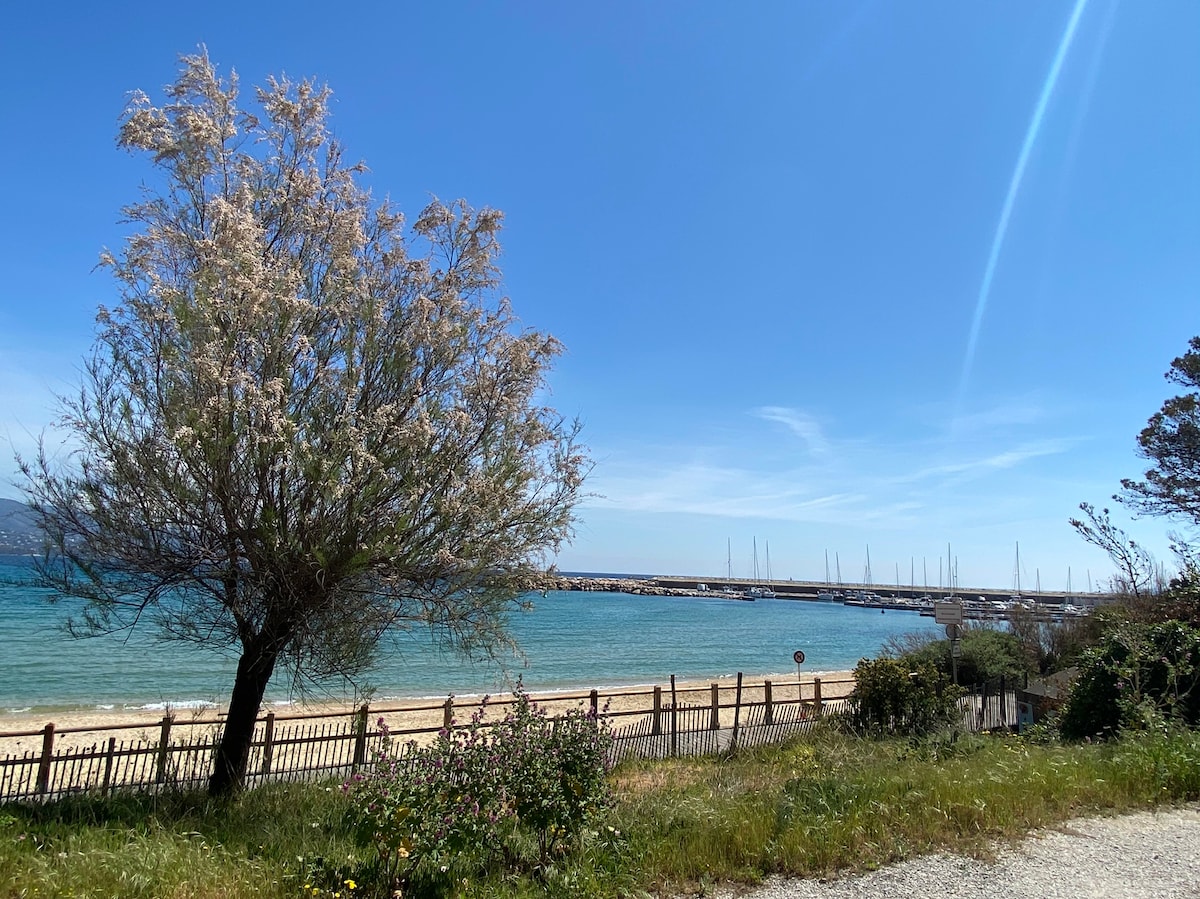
{"points": [[305, 423]]}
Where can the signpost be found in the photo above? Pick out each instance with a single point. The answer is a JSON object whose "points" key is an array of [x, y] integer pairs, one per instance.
{"points": [[798, 658], [948, 612], [951, 615]]}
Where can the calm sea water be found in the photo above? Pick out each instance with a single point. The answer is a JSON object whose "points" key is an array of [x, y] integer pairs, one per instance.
{"points": [[570, 641]]}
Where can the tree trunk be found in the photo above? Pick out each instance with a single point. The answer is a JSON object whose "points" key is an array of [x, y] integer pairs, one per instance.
{"points": [[233, 753]]}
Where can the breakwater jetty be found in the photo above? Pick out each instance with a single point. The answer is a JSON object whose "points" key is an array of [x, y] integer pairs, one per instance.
{"points": [[979, 602]]}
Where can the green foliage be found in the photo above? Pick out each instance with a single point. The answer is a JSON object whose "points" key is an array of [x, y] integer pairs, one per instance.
{"points": [[893, 697], [1136, 676], [987, 654], [519, 793]]}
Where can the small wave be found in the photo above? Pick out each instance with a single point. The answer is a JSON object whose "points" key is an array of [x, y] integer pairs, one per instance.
{"points": [[105, 707], [27, 708], [180, 704]]}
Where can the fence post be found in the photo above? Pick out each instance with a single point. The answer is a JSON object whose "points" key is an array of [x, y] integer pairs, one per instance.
{"points": [[737, 713], [1003, 703], [360, 736], [594, 702], [817, 695], [674, 720], [448, 713], [108, 766], [43, 777], [656, 720], [768, 707], [268, 743], [714, 722], [164, 749]]}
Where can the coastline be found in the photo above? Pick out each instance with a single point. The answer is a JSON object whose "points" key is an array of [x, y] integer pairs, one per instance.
{"points": [[21, 732]]}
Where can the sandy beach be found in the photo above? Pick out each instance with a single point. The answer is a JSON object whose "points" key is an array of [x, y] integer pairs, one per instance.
{"points": [[23, 732]]}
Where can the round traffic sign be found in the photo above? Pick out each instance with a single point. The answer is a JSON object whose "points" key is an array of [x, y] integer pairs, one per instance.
{"points": [[798, 656], [954, 631]]}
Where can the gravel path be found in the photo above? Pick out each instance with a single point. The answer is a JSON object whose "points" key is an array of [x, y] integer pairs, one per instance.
{"points": [[1148, 854]]}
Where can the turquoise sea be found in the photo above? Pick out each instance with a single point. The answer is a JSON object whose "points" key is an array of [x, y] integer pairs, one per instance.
{"points": [[569, 640]]}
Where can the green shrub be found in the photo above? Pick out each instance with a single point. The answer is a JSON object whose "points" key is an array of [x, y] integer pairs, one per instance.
{"points": [[987, 654], [1137, 675], [518, 792], [893, 697]]}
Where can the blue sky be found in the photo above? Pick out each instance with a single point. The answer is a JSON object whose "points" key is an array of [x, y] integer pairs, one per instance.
{"points": [[761, 230]]}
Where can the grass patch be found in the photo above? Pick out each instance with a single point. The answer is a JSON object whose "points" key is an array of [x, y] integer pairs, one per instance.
{"points": [[173, 845], [835, 803], [826, 805]]}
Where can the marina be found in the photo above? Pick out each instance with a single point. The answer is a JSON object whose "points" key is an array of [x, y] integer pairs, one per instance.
{"points": [[978, 603]]}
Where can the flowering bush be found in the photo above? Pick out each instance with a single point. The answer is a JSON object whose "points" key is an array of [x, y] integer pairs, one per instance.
{"points": [[555, 772], [481, 793]]}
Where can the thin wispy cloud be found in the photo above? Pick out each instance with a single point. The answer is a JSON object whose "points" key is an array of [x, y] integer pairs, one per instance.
{"points": [[799, 423], [1022, 412], [881, 481], [996, 461]]}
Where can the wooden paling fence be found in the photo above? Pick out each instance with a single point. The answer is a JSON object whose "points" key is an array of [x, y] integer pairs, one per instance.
{"points": [[990, 706], [678, 728], [175, 754]]}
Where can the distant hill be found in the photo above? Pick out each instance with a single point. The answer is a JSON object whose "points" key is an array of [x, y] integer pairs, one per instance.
{"points": [[19, 533]]}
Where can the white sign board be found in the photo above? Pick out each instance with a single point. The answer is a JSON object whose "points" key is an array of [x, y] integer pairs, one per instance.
{"points": [[948, 612]]}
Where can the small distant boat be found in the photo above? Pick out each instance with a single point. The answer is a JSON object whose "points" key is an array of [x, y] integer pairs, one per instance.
{"points": [[759, 593]]}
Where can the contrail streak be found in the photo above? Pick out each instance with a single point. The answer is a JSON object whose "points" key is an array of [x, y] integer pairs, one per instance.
{"points": [[1014, 185]]}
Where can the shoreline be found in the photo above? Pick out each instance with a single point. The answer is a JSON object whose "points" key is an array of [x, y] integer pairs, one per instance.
{"points": [[21, 732], [59, 713]]}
